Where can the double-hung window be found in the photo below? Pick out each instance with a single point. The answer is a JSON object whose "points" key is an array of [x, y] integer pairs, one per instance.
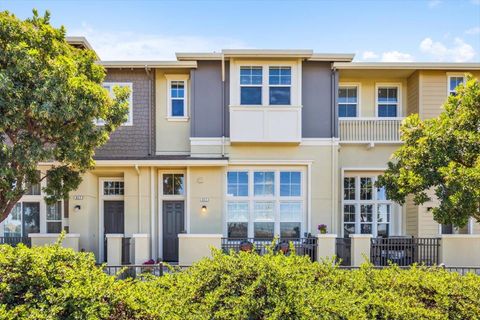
{"points": [[251, 82], [453, 83], [279, 81], [177, 95], [366, 209], [264, 203], [388, 101], [109, 87], [347, 101]]}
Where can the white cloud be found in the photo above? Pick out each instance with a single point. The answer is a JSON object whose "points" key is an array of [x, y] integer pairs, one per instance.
{"points": [[367, 55], [460, 51], [434, 3], [396, 56], [473, 31], [135, 46]]}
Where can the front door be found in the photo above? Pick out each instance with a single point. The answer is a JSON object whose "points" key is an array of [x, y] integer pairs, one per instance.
{"points": [[173, 224], [113, 219]]}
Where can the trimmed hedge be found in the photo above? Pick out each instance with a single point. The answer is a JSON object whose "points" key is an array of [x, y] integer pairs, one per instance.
{"points": [[56, 283]]}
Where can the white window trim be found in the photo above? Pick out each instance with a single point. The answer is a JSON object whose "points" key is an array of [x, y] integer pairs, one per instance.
{"points": [[358, 85], [397, 85], [130, 101], [357, 203], [101, 198], [295, 84], [279, 85], [453, 75], [276, 198], [177, 77]]}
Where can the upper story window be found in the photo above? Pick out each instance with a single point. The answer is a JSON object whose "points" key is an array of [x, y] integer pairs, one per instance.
{"points": [[251, 82], [453, 82], [109, 86], [265, 83], [279, 81], [388, 101], [347, 101], [177, 97]]}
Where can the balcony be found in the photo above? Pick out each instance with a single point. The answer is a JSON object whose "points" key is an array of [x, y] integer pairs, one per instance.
{"points": [[264, 124], [370, 130]]}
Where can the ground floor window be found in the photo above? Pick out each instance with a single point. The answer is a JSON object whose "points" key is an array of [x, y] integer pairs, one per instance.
{"points": [[265, 203], [366, 209], [23, 220]]}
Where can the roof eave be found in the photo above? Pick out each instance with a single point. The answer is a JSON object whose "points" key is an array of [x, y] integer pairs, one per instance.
{"points": [[149, 64], [406, 65]]}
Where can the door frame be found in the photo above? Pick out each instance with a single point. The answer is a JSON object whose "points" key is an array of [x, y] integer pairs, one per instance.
{"points": [[101, 199], [162, 197]]}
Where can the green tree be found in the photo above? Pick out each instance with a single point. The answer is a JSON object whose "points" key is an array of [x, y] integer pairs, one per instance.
{"points": [[50, 96], [441, 155]]}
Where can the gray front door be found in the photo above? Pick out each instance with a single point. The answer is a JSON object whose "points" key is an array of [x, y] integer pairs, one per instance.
{"points": [[113, 219], [173, 224]]}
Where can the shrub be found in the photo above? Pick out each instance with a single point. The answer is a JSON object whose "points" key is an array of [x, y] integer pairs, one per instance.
{"points": [[55, 283]]}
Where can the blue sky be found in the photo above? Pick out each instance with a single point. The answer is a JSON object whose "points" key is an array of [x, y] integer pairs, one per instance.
{"points": [[390, 30]]}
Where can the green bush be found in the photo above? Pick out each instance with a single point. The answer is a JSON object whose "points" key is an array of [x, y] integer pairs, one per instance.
{"points": [[56, 283]]}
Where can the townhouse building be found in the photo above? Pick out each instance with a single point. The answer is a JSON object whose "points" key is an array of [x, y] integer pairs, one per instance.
{"points": [[248, 144]]}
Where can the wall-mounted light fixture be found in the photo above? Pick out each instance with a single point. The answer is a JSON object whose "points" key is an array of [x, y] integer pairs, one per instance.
{"points": [[77, 208], [204, 208]]}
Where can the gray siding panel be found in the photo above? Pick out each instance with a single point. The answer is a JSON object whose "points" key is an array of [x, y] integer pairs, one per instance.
{"points": [[132, 140], [207, 100], [318, 96]]}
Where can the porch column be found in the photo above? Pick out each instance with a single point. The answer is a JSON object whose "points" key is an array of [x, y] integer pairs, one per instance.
{"points": [[114, 249], [325, 246], [360, 250], [141, 251]]}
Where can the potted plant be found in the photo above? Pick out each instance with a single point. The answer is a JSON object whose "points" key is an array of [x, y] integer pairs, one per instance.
{"points": [[322, 228]]}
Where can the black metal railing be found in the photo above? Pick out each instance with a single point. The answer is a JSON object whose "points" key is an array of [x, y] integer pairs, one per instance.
{"points": [[134, 271], [303, 246], [343, 248], [13, 241], [126, 250], [404, 251]]}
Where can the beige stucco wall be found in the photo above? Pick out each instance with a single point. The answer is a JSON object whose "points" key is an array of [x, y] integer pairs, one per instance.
{"points": [[206, 183], [193, 247], [460, 250], [367, 92], [170, 136]]}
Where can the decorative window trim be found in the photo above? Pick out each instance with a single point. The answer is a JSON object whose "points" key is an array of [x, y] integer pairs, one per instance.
{"points": [[358, 85], [276, 198], [295, 84], [177, 77], [130, 101], [453, 75], [397, 85]]}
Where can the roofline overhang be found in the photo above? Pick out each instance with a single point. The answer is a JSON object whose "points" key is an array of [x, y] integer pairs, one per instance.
{"points": [[406, 66], [79, 40], [149, 64], [169, 163], [265, 53]]}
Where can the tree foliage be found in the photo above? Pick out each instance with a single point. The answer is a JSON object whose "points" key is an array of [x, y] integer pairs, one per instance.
{"points": [[50, 96], [55, 283], [440, 159]]}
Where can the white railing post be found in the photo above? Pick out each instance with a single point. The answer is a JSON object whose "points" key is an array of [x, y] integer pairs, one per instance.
{"points": [[370, 130]]}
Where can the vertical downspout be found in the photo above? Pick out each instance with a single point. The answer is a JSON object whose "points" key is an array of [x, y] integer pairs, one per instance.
{"points": [[333, 159], [139, 199], [223, 105], [152, 216]]}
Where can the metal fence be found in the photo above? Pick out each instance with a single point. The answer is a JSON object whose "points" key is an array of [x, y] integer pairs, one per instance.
{"points": [[126, 250], [303, 246], [134, 271], [404, 251], [343, 251], [13, 241]]}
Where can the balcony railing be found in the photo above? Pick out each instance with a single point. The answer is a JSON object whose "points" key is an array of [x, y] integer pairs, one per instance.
{"points": [[369, 130], [303, 246], [404, 251]]}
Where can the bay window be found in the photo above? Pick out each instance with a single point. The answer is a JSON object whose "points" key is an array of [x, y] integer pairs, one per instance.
{"points": [[366, 209], [265, 203]]}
